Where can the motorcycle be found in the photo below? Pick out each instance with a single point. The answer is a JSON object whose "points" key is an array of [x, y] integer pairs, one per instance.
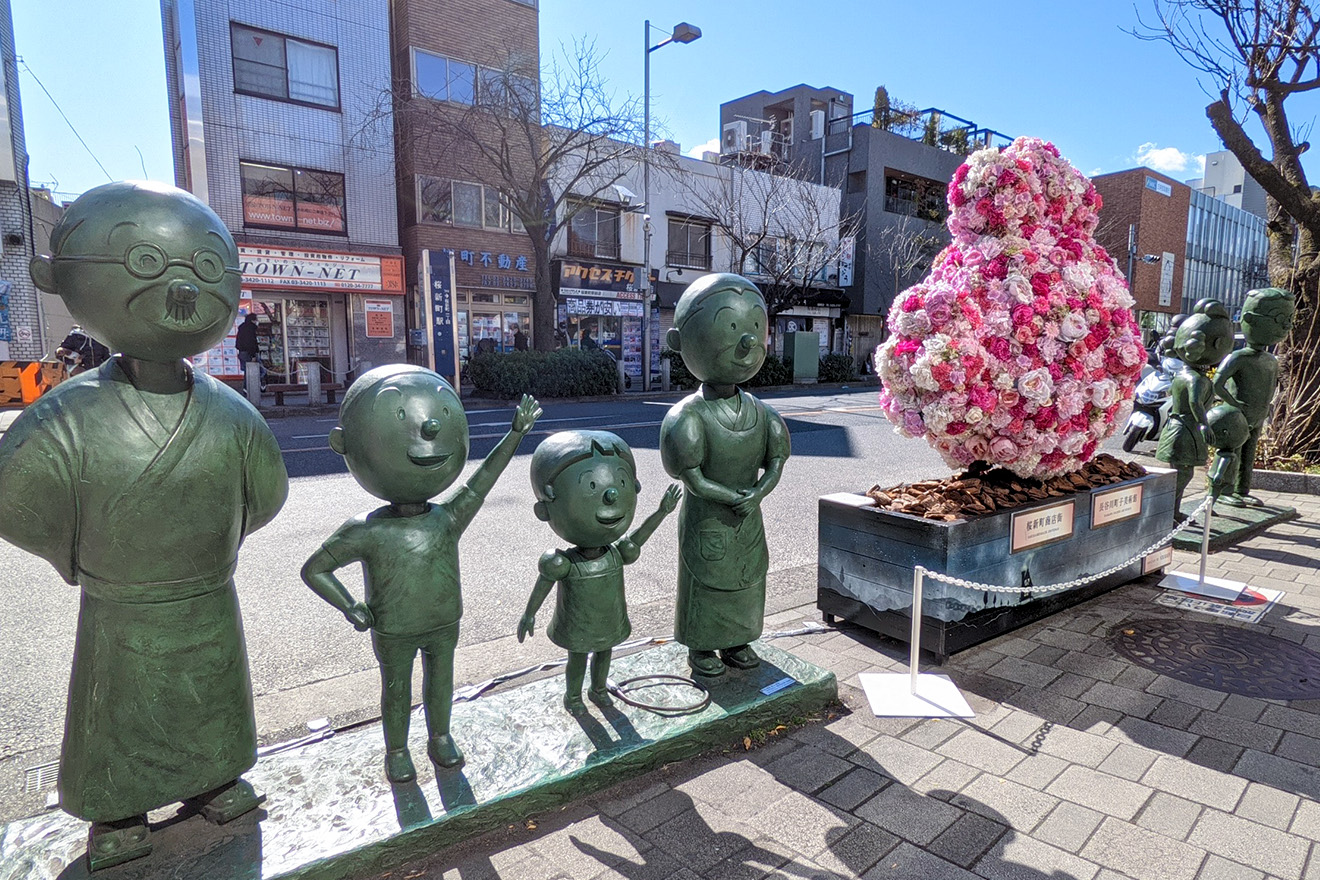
{"points": [[1150, 404]]}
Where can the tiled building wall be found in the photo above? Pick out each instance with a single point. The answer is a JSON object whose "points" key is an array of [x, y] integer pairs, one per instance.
{"points": [[21, 324], [356, 141]]}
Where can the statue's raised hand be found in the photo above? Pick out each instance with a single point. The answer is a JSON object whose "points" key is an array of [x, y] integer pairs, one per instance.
{"points": [[669, 503], [526, 415]]}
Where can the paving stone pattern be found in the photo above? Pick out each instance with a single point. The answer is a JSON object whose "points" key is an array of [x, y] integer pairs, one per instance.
{"points": [[1078, 766]]}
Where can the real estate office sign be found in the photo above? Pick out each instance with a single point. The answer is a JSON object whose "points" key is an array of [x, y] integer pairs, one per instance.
{"points": [[285, 268]]}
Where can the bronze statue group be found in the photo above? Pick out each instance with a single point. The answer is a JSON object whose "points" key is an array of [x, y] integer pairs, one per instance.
{"points": [[1245, 380], [160, 703]]}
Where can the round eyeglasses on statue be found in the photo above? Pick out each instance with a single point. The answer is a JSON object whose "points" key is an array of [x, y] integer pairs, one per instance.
{"points": [[147, 261]]}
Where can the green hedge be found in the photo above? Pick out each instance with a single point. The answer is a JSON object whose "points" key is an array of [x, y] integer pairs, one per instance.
{"points": [[772, 372], [566, 372], [836, 368]]}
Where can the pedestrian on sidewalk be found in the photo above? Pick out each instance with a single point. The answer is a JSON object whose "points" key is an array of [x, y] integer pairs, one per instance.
{"points": [[246, 342]]}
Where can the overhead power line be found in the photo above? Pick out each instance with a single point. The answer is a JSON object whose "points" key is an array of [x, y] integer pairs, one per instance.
{"points": [[60, 111]]}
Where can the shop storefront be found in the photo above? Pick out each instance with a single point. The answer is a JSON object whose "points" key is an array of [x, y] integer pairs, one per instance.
{"points": [[492, 302], [600, 306], [825, 321], [338, 312]]}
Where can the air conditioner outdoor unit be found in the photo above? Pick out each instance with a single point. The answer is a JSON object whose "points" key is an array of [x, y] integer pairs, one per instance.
{"points": [[817, 124], [734, 137]]}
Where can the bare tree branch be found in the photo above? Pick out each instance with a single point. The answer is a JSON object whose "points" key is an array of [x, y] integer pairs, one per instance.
{"points": [[783, 232], [1257, 56], [550, 141]]}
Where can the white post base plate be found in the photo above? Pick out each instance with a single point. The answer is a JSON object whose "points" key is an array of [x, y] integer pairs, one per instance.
{"points": [[937, 696], [1215, 588]]}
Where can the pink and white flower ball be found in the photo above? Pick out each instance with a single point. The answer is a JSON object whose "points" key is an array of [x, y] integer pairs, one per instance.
{"points": [[1020, 348]]}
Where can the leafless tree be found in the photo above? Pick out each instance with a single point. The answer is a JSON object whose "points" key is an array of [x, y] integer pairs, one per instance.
{"points": [[783, 232], [550, 140], [1255, 58], [905, 248]]}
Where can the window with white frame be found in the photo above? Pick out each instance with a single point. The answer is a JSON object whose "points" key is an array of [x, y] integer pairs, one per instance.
{"points": [[271, 65], [440, 200], [593, 231], [689, 244], [444, 79]]}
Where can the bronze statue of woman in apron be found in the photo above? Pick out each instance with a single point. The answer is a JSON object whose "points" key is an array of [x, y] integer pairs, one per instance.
{"points": [[728, 449]]}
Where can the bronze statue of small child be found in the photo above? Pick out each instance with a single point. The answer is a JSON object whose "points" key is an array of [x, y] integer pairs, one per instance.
{"points": [[1201, 342], [1248, 378], [586, 488], [404, 435]]}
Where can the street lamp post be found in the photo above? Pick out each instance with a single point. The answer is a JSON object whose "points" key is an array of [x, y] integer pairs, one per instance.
{"points": [[682, 33]]}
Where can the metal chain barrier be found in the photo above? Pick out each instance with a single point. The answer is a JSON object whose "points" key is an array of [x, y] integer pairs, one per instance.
{"points": [[1076, 582]]}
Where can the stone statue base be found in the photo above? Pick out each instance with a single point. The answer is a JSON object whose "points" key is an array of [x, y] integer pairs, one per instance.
{"points": [[330, 811], [1230, 525]]}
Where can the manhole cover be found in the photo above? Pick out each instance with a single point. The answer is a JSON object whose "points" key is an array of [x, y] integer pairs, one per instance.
{"points": [[1222, 658]]}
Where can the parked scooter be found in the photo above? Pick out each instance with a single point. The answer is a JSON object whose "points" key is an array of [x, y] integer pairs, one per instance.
{"points": [[1150, 404]]}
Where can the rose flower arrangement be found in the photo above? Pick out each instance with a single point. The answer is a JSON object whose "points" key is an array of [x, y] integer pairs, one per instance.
{"points": [[1020, 347]]}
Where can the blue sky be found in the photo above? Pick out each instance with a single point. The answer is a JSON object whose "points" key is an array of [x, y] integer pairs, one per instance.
{"points": [[1063, 70]]}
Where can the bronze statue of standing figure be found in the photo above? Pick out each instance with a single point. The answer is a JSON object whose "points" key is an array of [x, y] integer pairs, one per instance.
{"points": [[1248, 378], [728, 449], [586, 488], [138, 481], [1202, 341], [404, 435]]}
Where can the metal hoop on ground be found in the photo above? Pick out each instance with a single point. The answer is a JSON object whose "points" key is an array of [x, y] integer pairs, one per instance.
{"points": [[621, 690]]}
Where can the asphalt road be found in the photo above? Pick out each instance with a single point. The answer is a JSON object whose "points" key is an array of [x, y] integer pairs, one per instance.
{"points": [[298, 645]]}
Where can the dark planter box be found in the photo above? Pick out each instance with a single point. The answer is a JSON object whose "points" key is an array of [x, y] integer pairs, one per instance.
{"points": [[867, 557]]}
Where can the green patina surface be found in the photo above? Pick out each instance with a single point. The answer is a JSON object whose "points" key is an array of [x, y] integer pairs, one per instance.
{"points": [[331, 814], [1229, 525]]}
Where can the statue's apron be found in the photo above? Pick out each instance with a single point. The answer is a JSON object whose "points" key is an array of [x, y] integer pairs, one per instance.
{"points": [[723, 557]]}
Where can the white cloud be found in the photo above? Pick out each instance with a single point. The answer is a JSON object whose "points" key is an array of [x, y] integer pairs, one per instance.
{"points": [[1169, 160], [712, 145]]}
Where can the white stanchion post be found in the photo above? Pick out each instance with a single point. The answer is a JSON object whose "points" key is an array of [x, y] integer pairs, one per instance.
{"points": [[313, 383], [1205, 538], [914, 641], [919, 696], [623, 376], [252, 382]]}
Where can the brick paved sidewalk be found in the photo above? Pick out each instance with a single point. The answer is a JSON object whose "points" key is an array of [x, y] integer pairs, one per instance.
{"points": [[1079, 766]]}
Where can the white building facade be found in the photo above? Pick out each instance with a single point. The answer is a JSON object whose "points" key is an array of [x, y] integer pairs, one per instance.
{"points": [[780, 232], [281, 122]]}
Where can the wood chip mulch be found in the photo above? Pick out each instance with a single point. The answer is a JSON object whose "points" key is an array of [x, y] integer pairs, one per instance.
{"points": [[982, 489]]}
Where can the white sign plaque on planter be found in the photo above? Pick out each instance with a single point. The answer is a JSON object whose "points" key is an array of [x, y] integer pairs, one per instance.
{"points": [[1041, 525], [1116, 505], [1161, 558]]}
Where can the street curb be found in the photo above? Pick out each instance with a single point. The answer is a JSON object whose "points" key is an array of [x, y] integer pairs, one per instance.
{"points": [[680, 393], [1286, 481]]}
